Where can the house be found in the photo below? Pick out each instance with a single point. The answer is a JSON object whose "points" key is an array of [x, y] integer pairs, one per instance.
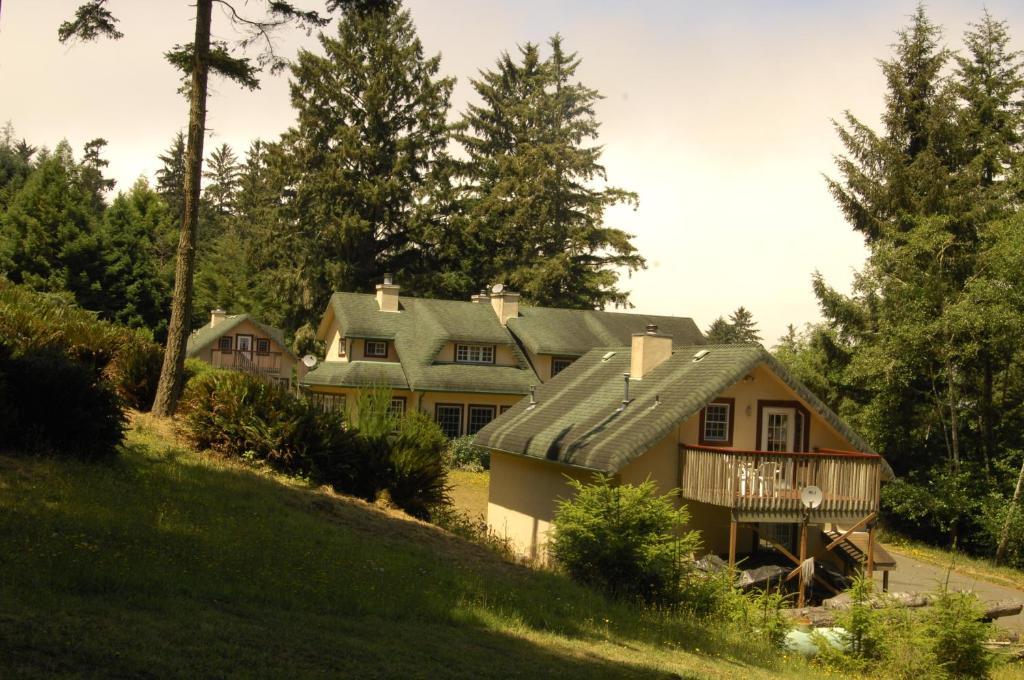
{"points": [[727, 425], [461, 362], [240, 342]]}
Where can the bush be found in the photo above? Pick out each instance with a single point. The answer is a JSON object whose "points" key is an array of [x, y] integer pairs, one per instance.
{"points": [[59, 406], [463, 454], [957, 635], [135, 371], [625, 541]]}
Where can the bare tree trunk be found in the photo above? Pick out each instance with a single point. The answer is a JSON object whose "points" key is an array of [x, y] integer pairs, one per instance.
{"points": [[987, 415], [1004, 537], [954, 440], [168, 391]]}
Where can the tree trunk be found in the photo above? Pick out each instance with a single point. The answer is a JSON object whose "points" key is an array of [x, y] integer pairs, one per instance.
{"points": [[168, 390], [1004, 537], [987, 414]]}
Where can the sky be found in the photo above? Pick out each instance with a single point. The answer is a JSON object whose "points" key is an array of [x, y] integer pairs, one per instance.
{"points": [[718, 114]]}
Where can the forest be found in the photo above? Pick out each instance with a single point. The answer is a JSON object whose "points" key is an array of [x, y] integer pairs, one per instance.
{"points": [[379, 174]]}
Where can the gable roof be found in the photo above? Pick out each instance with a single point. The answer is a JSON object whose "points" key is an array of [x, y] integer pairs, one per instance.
{"points": [[201, 338], [420, 330], [574, 332], [358, 374], [576, 420]]}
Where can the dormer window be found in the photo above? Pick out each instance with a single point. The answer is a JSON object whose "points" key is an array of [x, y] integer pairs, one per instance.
{"points": [[474, 354], [376, 348]]}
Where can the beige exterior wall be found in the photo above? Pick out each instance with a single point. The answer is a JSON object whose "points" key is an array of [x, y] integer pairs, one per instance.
{"points": [[542, 364], [287, 367], [503, 354], [522, 506], [357, 351]]}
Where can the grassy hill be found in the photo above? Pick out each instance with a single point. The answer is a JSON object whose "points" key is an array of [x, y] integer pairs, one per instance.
{"points": [[170, 563]]}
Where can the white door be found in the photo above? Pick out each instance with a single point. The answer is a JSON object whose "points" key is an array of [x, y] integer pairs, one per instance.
{"points": [[778, 429], [243, 344]]}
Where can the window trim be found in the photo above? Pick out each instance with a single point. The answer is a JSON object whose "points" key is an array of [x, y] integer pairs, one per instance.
{"points": [[481, 346], [726, 401], [462, 416], [469, 411], [405, 403], [366, 349], [220, 343], [260, 342], [785, 403], [554, 359]]}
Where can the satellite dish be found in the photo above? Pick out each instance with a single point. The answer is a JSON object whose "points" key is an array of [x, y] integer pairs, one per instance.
{"points": [[811, 497], [309, 360], [497, 288]]}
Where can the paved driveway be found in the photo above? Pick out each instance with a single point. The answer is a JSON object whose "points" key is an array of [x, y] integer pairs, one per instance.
{"points": [[912, 575]]}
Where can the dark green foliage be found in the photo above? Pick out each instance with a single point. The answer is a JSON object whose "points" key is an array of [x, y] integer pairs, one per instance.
{"points": [[135, 370], [624, 540], [61, 407], [534, 209], [953, 626], [418, 479], [92, 20], [740, 328], [463, 454]]}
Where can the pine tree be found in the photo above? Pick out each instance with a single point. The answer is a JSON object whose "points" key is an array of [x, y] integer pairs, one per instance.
{"points": [[535, 207], [720, 332], [361, 162], [223, 174], [170, 178], [744, 326]]}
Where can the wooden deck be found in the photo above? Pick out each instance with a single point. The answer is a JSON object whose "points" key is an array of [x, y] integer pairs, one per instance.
{"points": [[765, 485]]}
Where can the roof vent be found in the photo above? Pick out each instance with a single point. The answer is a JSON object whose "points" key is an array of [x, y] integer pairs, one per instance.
{"points": [[533, 398], [652, 329], [625, 393], [700, 355], [607, 356]]}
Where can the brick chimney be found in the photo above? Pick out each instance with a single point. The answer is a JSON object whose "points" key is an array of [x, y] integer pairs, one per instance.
{"points": [[649, 349], [216, 316], [505, 303], [387, 295]]}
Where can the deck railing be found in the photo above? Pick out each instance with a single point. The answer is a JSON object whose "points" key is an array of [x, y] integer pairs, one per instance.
{"points": [[266, 363], [765, 481]]}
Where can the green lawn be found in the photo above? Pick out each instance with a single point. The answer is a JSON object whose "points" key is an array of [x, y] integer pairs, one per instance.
{"points": [[469, 492], [169, 563]]}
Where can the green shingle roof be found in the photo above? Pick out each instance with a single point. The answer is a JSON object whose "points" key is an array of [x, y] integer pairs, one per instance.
{"points": [[201, 338], [574, 332], [420, 329], [358, 374], [577, 420]]}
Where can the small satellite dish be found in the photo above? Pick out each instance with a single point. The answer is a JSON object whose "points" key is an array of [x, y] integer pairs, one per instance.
{"points": [[497, 288], [309, 360], [810, 496]]}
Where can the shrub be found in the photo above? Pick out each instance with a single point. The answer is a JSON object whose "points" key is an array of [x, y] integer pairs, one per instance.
{"points": [[957, 635], [60, 406], [463, 454], [418, 480], [135, 370], [624, 540]]}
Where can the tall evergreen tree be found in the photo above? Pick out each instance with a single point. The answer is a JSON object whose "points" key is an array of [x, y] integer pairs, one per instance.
{"points": [[533, 187], [361, 161], [739, 328], [170, 177], [223, 174]]}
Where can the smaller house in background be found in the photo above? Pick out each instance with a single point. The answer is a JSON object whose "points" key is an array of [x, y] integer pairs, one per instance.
{"points": [[728, 426], [240, 342]]}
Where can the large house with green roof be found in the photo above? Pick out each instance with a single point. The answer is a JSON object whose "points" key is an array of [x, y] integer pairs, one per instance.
{"points": [[241, 342], [727, 425], [462, 362]]}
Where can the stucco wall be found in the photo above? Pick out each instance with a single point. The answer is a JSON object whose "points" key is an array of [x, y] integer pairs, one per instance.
{"points": [[503, 354], [522, 506]]}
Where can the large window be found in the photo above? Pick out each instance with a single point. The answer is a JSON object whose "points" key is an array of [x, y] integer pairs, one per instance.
{"points": [[449, 419], [328, 402], [559, 364], [478, 417], [474, 354], [375, 348], [716, 423]]}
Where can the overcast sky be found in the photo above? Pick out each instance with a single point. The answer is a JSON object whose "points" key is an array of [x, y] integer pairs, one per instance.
{"points": [[716, 113]]}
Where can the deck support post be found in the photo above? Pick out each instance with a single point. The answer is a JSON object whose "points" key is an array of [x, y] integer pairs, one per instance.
{"points": [[870, 570], [803, 558], [732, 541], [885, 581]]}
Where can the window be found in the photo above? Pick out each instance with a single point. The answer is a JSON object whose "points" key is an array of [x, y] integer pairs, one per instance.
{"points": [[341, 346], [474, 354], [375, 348], [262, 346], [478, 417], [449, 419], [397, 407], [716, 423], [328, 402], [224, 344], [503, 409], [559, 364]]}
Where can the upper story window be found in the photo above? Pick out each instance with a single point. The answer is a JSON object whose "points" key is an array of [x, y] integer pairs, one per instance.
{"points": [[224, 343], [559, 364], [262, 346], [375, 348], [474, 354], [341, 345], [716, 422]]}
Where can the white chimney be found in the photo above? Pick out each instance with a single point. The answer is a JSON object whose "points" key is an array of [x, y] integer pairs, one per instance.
{"points": [[387, 295], [505, 303], [649, 349], [216, 316]]}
